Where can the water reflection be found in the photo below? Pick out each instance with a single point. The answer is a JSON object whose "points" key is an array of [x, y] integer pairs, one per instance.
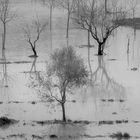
{"points": [[102, 86], [5, 78], [5, 83], [67, 131], [34, 73], [132, 50]]}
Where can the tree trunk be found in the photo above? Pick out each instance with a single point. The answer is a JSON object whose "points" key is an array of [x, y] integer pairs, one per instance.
{"points": [[4, 36], [105, 6], [63, 111], [89, 53], [68, 22], [34, 51], [78, 9], [51, 17], [100, 49]]}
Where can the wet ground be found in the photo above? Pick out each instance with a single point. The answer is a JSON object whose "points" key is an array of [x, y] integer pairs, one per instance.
{"points": [[107, 108]]}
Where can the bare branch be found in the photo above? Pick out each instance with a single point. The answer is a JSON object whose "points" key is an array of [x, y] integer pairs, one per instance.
{"points": [[33, 32]]}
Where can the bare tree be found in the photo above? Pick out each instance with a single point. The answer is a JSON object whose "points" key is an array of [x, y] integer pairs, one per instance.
{"points": [[69, 5], [5, 17], [97, 22], [51, 4], [133, 6], [67, 70], [32, 34]]}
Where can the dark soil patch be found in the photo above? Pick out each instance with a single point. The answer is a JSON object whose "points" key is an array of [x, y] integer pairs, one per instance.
{"points": [[49, 122], [37, 137], [74, 101], [16, 135], [82, 122], [22, 62], [33, 102], [121, 100], [53, 136], [120, 136], [114, 113], [107, 100], [15, 102], [33, 56], [112, 59], [112, 122], [134, 69], [103, 100], [86, 46], [136, 121], [4, 121], [16, 62], [5, 62], [1, 102], [89, 136], [121, 121], [112, 100], [106, 122]]}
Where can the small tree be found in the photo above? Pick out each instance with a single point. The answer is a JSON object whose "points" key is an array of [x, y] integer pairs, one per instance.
{"points": [[96, 21], [5, 17], [32, 34], [66, 71]]}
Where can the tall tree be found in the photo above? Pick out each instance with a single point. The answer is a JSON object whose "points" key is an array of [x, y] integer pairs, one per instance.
{"points": [[100, 25], [133, 6], [106, 5], [51, 4], [69, 6], [5, 16]]}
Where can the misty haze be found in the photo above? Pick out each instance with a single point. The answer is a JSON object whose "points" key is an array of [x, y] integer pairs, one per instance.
{"points": [[69, 69]]}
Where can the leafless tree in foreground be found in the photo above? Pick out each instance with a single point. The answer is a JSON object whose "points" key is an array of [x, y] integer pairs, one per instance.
{"points": [[66, 71], [100, 25], [5, 17], [32, 34]]}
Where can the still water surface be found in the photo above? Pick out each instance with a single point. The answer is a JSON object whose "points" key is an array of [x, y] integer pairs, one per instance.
{"points": [[113, 93]]}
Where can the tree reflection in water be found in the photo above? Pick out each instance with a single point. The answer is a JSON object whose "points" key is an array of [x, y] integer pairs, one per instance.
{"points": [[34, 74], [4, 79], [102, 86], [67, 131], [5, 82]]}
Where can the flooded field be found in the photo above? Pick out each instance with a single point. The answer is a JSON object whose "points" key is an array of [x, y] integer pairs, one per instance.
{"points": [[104, 109]]}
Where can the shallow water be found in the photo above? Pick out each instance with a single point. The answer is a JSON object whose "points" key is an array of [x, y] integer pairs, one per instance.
{"points": [[112, 94]]}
